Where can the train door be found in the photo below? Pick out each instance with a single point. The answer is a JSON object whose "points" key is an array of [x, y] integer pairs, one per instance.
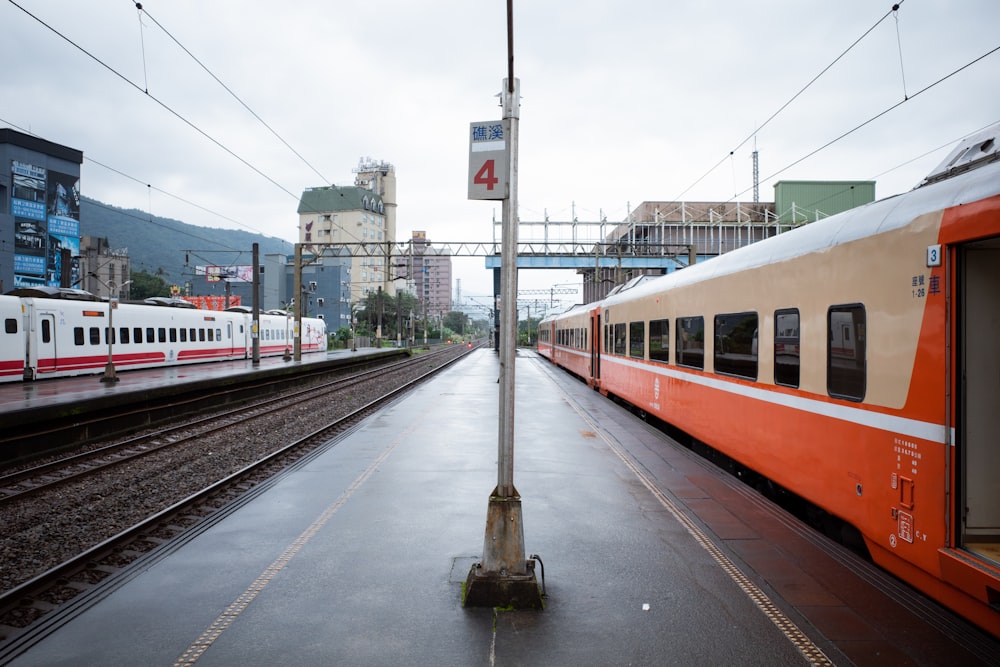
{"points": [[978, 436], [595, 346], [44, 338]]}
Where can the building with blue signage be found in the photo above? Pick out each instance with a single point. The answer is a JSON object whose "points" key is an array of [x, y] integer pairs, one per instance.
{"points": [[39, 212]]}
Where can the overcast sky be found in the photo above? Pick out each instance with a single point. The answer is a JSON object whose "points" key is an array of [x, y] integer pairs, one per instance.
{"points": [[622, 102]]}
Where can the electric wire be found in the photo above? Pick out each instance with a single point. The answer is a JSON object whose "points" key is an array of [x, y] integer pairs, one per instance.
{"points": [[142, 46], [236, 97], [351, 234], [899, 43], [162, 104], [876, 116], [784, 106]]}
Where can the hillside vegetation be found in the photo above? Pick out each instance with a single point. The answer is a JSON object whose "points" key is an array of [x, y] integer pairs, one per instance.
{"points": [[171, 248]]}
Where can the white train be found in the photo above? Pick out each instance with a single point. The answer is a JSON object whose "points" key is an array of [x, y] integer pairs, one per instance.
{"points": [[52, 332]]}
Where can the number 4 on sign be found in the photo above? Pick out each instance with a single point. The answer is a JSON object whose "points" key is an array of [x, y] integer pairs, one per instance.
{"points": [[486, 175]]}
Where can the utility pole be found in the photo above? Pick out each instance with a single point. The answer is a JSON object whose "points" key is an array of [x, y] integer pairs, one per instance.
{"points": [[504, 578], [255, 325]]}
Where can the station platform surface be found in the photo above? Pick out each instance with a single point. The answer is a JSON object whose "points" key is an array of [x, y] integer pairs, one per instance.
{"points": [[357, 555]]}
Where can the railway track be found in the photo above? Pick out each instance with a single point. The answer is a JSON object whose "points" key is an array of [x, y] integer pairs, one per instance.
{"points": [[27, 608], [43, 478]]}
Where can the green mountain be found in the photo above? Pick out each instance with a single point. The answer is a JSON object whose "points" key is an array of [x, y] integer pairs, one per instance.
{"points": [[168, 247]]}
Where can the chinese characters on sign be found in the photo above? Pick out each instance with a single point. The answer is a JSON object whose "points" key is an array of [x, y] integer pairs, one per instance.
{"points": [[488, 177], [923, 286]]}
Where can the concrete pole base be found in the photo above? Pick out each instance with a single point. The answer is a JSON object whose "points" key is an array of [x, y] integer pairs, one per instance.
{"points": [[509, 591], [504, 578]]}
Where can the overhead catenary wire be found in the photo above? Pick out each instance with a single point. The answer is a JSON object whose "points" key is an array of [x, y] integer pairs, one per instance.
{"points": [[878, 115], [899, 43], [149, 187], [236, 97], [784, 106], [162, 104], [174, 113]]}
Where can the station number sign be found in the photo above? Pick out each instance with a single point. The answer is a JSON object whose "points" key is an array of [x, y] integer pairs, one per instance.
{"points": [[488, 174]]}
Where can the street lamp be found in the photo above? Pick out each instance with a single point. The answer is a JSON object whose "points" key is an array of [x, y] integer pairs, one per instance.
{"points": [[110, 375]]}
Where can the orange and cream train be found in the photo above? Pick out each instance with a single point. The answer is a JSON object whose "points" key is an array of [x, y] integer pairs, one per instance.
{"points": [[853, 361]]}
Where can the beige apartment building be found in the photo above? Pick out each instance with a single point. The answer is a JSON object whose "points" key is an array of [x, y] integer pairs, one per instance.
{"points": [[360, 218]]}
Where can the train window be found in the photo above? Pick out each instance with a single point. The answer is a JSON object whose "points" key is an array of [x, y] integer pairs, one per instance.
{"points": [[786, 347], [659, 340], [151, 334], [109, 336], [162, 331], [845, 352], [95, 336], [637, 339], [691, 342], [619, 339], [736, 345], [184, 335], [10, 325], [46, 331], [124, 335], [193, 334], [201, 335], [78, 337], [137, 335], [211, 334]]}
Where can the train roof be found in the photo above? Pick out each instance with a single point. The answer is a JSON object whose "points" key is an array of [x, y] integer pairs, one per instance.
{"points": [[972, 184], [47, 292], [567, 311], [170, 302]]}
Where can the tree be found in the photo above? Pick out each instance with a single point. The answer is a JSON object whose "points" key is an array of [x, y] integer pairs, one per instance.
{"points": [[145, 285], [456, 320]]}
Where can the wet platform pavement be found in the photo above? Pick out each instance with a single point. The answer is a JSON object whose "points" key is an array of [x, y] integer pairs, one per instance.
{"points": [[357, 555]]}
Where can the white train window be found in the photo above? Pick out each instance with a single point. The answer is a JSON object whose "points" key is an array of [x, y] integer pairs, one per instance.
{"points": [[736, 345], [619, 330], [786, 347], [637, 339], [659, 340], [691, 342], [846, 352]]}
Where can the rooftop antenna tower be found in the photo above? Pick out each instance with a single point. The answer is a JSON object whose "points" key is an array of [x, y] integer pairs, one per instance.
{"points": [[756, 174]]}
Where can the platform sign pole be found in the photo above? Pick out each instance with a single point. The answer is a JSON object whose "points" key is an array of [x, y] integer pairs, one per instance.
{"points": [[255, 326], [299, 298], [505, 577]]}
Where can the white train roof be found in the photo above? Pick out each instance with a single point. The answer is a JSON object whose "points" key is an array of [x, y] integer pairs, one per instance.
{"points": [[977, 177]]}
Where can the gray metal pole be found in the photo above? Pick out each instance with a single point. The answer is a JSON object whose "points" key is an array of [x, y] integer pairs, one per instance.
{"points": [[255, 326], [508, 296], [299, 304]]}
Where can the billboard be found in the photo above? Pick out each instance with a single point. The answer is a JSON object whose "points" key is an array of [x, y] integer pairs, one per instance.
{"points": [[45, 206]]}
